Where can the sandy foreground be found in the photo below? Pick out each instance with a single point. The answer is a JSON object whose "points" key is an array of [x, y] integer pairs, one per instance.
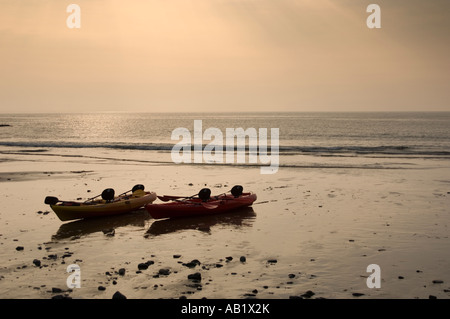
{"points": [[311, 233]]}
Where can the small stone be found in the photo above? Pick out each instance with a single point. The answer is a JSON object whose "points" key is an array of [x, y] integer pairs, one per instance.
{"points": [[357, 294], [432, 297], [56, 290], [229, 258], [19, 248], [101, 288], [308, 294], [37, 262], [291, 276], [242, 259], [142, 266], [192, 264], [176, 256], [272, 261], [195, 276], [438, 281], [118, 295], [164, 271], [121, 271], [401, 277]]}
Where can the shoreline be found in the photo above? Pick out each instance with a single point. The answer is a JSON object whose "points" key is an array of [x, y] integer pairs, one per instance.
{"points": [[310, 230]]}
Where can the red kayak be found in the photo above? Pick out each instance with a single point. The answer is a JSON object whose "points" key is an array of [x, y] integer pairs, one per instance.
{"points": [[196, 206]]}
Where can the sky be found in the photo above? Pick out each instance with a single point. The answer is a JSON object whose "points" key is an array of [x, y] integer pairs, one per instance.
{"points": [[224, 55]]}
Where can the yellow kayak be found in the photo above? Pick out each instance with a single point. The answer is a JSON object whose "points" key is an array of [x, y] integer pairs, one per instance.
{"points": [[107, 206]]}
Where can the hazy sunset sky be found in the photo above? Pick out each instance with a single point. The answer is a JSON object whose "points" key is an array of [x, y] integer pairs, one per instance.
{"points": [[224, 55]]}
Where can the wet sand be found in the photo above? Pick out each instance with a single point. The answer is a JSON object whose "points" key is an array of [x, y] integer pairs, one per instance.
{"points": [[311, 233]]}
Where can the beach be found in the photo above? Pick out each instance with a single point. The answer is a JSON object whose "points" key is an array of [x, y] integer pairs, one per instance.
{"points": [[312, 232]]}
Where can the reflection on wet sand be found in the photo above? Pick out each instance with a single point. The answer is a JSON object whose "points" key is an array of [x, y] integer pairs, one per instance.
{"points": [[87, 226], [239, 218]]}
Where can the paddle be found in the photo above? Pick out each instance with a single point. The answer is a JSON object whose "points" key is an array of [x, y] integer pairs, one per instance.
{"points": [[50, 200], [167, 198]]}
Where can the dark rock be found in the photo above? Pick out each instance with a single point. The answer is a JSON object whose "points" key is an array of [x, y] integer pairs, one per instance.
{"points": [[242, 259], [438, 281], [19, 248], [56, 290], [164, 272], [291, 276], [176, 256], [118, 295], [195, 276], [219, 265], [37, 262], [401, 277], [432, 297], [272, 261], [308, 294], [229, 258], [357, 294], [101, 288], [142, 266], [121, 271], [192, 264]]}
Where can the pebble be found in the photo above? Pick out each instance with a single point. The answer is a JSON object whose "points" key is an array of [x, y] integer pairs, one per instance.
{"points": [[164, 271], [121, 271], [272, 261], [192, 264], [101, 288], [357, 294], [308, 294], [438, 281], [195, 276], [37, 262], [242, 259], [118, 295], [143, 266], [19, 248]]}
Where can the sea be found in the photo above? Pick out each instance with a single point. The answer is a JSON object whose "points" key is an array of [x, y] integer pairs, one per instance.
{"points": [[306, 139]]}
